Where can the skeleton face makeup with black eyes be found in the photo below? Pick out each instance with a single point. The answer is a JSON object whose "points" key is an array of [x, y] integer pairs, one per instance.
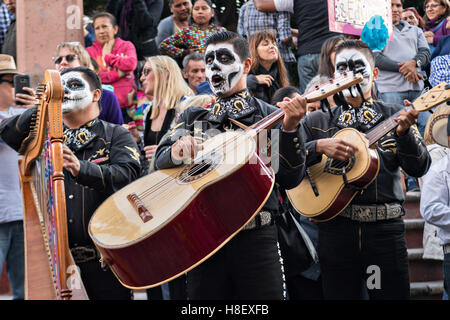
{"points": [[350, 59], [224, 68], [77, 92]]}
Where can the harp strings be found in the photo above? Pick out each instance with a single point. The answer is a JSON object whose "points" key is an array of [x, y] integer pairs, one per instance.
{"points": [[43, 183]]}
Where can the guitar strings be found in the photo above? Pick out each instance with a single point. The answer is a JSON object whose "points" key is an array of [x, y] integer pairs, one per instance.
{"points": [[171, 179], [201, 166]]}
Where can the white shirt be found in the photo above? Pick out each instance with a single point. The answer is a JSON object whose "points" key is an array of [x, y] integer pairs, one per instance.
{"points": [[284, 5], [435, 198]]}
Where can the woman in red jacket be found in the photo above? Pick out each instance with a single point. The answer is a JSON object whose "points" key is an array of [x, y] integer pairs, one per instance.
{"points": [[116, 59]]}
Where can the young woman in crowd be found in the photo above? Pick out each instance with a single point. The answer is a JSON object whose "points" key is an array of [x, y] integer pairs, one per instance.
{"points": [[327, 54], [73, 54], [116, 59], [268, 73], [192, 38], [161, 79], [436, 20]]}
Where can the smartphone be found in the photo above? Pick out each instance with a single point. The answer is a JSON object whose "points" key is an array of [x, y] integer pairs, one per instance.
{"points": [[21, 81]]}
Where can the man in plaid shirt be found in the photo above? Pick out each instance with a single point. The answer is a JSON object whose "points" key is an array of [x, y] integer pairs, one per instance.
{"points": [[4, 22], [440, 70], [251, 20]]}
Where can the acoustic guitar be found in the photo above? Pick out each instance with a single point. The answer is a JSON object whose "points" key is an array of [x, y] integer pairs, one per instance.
{"points": [[330, 185], [166, 223]]}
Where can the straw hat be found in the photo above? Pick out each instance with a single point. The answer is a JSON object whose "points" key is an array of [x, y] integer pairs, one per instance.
{"points": [[7, 64], [439, 125]]}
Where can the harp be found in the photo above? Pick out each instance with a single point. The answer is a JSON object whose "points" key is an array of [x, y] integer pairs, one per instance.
{"points": [[50, 271]]}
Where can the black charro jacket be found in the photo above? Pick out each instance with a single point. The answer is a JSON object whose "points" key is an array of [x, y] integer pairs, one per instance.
{"points": [[109, 160], [290, 146], [407, 152]]}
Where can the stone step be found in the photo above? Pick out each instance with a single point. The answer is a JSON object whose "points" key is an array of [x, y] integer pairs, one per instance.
{"points": [[414, 232], [428, 290], [412, 205], [422, 270]]}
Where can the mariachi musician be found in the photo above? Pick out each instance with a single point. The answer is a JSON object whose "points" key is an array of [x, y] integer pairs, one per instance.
{"points": [[248, 266], [99, 159], [370, 231]]}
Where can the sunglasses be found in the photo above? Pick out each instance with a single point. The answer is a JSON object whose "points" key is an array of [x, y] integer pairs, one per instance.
{"points": [[69, 58], [11, 82], [432, 6]]}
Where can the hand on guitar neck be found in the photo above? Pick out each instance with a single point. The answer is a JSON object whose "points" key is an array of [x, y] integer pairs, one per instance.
{"points": [[294, 111], [406, 119]]}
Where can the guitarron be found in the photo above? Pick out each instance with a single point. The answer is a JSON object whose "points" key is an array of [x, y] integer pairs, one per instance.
{"points": [[330, 185], [50, 271], [166, 223]]}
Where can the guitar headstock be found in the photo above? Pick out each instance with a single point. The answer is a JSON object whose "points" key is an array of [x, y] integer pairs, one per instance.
{"points": [[333, 86], [433, 97]]}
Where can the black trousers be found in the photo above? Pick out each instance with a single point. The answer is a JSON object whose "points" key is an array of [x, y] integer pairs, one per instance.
{"points": [[102, 284], [353, 253], [247, 267]]}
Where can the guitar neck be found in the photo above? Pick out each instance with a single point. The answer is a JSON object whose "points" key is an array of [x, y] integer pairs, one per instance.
{"points": [[321, 92], [426, 101], [382, 129]]}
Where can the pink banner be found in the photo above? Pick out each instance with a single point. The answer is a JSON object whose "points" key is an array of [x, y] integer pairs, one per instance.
{"points": [[349, 16]]}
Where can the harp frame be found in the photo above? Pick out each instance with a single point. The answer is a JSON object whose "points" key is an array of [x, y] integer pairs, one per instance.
{"points": [[42, 280]]}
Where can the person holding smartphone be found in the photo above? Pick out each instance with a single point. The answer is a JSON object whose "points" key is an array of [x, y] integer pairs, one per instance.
{"points": [[11, 211]]}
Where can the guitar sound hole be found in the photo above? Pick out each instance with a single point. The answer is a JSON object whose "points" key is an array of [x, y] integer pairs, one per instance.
{"points": [[339, 167], [199, 168]]}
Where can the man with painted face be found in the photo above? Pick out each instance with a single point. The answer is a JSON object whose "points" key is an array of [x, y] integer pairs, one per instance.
{"points": [[365, 243], [248, 266], [99, 159]]}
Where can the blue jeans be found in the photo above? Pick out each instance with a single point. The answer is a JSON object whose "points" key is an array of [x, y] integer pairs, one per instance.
{"points": [[398, 97], [12, 251], [307, 67], [446, 275]]}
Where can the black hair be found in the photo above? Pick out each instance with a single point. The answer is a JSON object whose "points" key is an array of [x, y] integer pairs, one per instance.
{"points": [[240, 45], [90, 76], [108, 15], [282, 93], [210, 4], [95, 65], [358, 45]]}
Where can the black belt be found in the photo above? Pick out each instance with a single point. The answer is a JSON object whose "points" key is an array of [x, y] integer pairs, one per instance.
{"points": [[372, 213], [263, 218]]}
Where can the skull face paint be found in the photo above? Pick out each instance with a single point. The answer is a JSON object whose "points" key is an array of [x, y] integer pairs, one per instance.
{"points": [[224, 68], [77, 93], [350, 59]]}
